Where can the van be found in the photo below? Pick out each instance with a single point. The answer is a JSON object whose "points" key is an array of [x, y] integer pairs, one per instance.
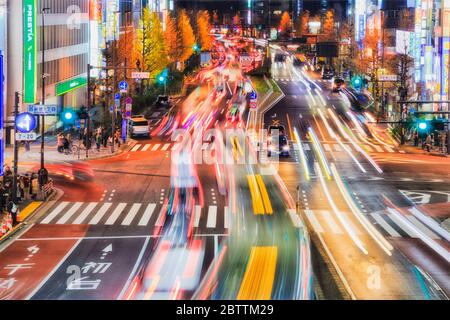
{"points": [[138, 127]]}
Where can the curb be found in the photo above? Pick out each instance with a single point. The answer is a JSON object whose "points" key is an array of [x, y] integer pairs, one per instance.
{"points": [[55, 195]]}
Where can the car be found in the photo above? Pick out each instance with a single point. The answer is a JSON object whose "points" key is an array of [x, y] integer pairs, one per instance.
{"points": [[138, 127], [327, 74], [283, 145], [280, 128], [338, 84]]}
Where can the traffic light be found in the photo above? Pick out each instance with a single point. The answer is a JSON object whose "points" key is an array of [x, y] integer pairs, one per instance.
{"points": [[68, 116], [422, 125], [196, 48], [357, 82], [162, 77]]}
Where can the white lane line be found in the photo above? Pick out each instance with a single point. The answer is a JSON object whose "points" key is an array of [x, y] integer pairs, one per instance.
{"points": [[385, 225], [86, 211], [136, 147], [131, 214], [69, 213], [197, 213], [401, 224], [212, 217], [313, 220], [155, 147], [331, 222], [116, 213], [147, 214], [422, 227], [146, 147], [227, 217], [350, 223], [337, 148], [165, 147], [54, 213], [100, 213], [161, 216], [327, 147]]}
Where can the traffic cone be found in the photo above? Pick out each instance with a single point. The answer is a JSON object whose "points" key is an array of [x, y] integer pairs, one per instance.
{"points": [[9, 221], [4, 229]]}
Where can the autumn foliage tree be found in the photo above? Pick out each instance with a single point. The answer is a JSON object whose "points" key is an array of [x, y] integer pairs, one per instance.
{"points": [[203, 30], [329, 29], [186, 35], [285, 24], [304, 20], [172, 39]]}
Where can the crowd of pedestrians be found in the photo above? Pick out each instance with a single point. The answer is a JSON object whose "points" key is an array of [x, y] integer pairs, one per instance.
{"points": [[432, 141]]}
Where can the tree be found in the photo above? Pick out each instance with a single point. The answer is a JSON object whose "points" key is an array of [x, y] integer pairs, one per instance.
{"points": [[304, 20], [237, 20], [285, 23], [150, 43], [203, 30], [186, 35], [215, 17], [172, 39], [329, 29]]}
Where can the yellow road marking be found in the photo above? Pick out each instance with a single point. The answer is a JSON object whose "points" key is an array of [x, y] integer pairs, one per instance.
{"points": [[239, 146], [265, 195], [289, 125], [28, 210], [259, 275], [257, 202]]}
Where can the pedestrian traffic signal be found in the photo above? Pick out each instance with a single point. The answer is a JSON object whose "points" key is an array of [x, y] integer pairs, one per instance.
{"points": [[196, 48], [423, 125], [162, 77], [68, 116], [357, 82]]}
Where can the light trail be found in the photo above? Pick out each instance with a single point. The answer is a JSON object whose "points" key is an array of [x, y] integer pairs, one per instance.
{"points": [[302, 155], [320, 153]]}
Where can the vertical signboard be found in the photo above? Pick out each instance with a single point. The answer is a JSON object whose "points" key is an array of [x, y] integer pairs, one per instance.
{"points": [[112, 26], [2, 143], [29, 51], [94, 36], [445, 47]]}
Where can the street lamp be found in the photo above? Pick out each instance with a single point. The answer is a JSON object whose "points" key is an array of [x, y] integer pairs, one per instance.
{"points": [[43, 173]]}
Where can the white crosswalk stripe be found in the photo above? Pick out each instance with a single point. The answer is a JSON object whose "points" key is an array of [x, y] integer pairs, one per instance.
{"points": [[132, 214], [136, 148], [165, 147], [378, 148], [337, 148], [156, 146], [327, 147], [391, 231], [389, 149], [313, 220], [146, 147], [419, 225], [306, 146], [331, 222]]}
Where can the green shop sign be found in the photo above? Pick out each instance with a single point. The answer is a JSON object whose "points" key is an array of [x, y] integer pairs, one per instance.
{"points": [[29, 51], [66, 86]]}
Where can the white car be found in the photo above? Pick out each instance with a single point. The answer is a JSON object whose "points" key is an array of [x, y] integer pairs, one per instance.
{"points": [[138, 127]]}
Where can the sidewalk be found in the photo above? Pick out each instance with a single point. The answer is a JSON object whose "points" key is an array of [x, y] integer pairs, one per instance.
{"points": [[28, 159]]}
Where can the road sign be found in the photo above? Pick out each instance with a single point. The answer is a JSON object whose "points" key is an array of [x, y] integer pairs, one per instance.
{"points": [[38, 109], [253, 95], [253, 104], [111, 109], [25, 122], [140, 75], [31, 136], [123, 86], [388, 77], [128, 107]]}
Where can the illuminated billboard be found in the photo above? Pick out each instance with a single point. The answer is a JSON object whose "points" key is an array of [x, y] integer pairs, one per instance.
{"points": [[29, 51]]}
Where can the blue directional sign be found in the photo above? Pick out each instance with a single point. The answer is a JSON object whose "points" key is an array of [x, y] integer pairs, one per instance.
{"points": [[123, 85], [38, 109], [253, 95], [25, 122], [117, 96]]}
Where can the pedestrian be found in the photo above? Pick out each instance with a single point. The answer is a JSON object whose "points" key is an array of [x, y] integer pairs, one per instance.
{"points": [[26, 186], [34, 186], [21, 191], [105, 138], [416, 139], [60, 143], [428, 142], [13, 211], [27, 146], [98, 140], [117, 138]]}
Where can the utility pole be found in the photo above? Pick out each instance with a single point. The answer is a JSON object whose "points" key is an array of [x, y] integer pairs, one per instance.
{"points": [[88, 108], [113, 117], [383, 106], [43, 173], [16, 148]]}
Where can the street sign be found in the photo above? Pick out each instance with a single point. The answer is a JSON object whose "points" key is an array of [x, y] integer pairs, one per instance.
{"points": [[388, 77], [128, 107], [111, 109], [253, 104], [25, 122], [123, 86], [31, 136], [38, 109], [140, 75], [253, 95]]}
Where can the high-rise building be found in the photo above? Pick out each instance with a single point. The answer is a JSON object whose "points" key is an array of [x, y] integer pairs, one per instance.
{"points": [[66, 47]]}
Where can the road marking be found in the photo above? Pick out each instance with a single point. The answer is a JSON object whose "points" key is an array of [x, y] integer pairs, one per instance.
{"points": [[368, 148], [378, 148], [313, 220], [401, 224], [147, 214], [131, 214], [116, 213], [155, 147], [165, 147], [212, 217], [205, 146], [197, 214], [385, 225], [161, 216], [422, 227], [257, 201], [350, 223], [264, 194], [135, 148], [86, 211], [337, 148], [146, 147], [54, 213], [100, 213], [331, 222], [69, 213], [327, 147], [306, 146], [227, 217], [389, 149]]}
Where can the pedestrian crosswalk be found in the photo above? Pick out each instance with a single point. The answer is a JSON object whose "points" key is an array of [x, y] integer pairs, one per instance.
{"points": [[323, 221], [141, 147], [131, 214], [335, 147]]}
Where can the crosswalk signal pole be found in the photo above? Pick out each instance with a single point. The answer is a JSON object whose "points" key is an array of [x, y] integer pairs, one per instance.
{"points": [[16, 148]]}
